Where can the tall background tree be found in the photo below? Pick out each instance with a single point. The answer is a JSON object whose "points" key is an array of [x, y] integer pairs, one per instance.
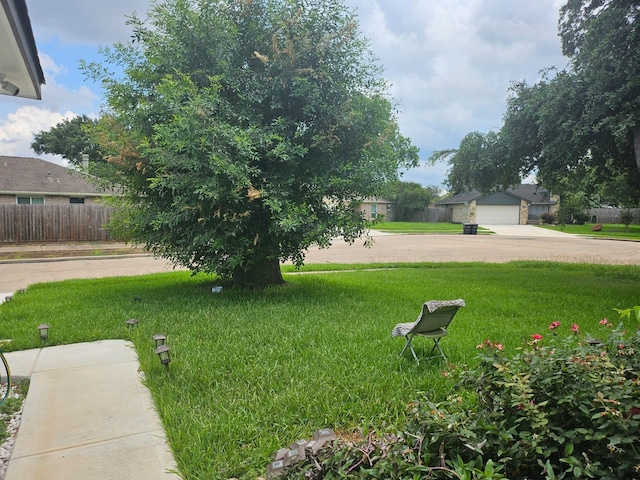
{"points": [[241, 132], [409, 198], [479, 163], [70, 139], [577, 130]]}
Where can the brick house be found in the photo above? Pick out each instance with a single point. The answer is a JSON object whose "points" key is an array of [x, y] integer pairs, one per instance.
{"points": [[376, 208], [514, 206]]}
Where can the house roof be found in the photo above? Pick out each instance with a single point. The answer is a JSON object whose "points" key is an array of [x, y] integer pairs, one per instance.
{"points": [[20, 70], [21, 175], [532, 193], [460, 198]]}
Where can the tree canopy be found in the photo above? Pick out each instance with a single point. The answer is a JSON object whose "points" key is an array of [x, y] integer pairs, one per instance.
{"points": [[409, 197], [578, 129], [242, 132], [480, 163], [70, 139]]}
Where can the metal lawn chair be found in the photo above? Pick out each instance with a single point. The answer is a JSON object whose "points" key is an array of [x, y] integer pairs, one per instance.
{"points": [[433, 321]]}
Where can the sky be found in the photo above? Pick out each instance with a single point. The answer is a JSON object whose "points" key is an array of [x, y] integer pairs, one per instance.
{"points": [[449, 64]]}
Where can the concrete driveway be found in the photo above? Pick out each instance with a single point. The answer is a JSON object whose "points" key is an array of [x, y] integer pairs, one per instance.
{"points": [[524, 231]]}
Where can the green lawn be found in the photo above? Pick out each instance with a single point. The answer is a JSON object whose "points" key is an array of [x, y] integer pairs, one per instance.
{"points": [[617, 231], [420, 227], [254, 371]]}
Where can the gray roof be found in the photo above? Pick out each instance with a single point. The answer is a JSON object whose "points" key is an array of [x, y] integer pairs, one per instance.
{"points": [[532, 193], [22, 175], [460, 198]]}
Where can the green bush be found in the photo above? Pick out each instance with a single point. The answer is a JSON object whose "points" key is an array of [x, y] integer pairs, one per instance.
{"points": [[548, 218], [566, 405], [580, 218]]}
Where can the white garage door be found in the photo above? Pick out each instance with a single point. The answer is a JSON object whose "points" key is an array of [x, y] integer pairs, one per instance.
{"points": [[498, 214]]}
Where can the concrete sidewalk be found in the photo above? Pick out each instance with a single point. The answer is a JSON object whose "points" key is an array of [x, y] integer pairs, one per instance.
{"points": [[87, 416]]}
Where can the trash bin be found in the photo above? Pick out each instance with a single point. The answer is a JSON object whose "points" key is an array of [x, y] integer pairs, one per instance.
{"points": [[470, 228]]}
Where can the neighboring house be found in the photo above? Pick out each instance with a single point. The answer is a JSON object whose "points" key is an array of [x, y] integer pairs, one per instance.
{"points": [[376, 208], [20, 70], [515, 206], [31, 181]]}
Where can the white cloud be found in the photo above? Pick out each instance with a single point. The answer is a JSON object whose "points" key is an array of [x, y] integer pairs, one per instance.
{"points": [[451, 62], [17, 130], [49, 66]]}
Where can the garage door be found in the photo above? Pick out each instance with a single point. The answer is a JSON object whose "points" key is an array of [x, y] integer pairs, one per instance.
{"points": [[498, 214]]}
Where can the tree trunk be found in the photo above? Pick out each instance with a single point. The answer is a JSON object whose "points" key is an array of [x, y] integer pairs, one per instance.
{"points": [[636, 145], [261, 274]]}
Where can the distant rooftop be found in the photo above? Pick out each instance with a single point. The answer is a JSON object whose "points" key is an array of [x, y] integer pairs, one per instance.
{"points": [[532, 193], [20, 175]]}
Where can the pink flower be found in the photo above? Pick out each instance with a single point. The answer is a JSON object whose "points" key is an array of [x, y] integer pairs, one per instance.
{"points": [[499, 346], [575, 328], [554, 325], [536, 337], [604, 321]]}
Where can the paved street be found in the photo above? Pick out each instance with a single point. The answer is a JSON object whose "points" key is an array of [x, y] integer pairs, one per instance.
{"points": [[521, 245]]}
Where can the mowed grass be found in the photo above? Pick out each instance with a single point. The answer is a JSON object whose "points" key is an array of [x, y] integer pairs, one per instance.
{"points": [[421, 227], [609, 230], [253, 371]]}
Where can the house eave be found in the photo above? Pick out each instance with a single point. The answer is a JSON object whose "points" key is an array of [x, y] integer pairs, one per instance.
{"points": [[19, 63]]}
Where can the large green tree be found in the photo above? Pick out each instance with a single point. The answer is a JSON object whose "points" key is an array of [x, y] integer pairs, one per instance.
{"points": [[242, 132], [602, 39]]}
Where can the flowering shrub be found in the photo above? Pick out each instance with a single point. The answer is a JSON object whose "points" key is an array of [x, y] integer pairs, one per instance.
{"points": [[566, 405], [563, 408]]}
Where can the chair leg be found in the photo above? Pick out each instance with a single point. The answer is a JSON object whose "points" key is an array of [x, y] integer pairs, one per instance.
{"points": [[436, 344], [408, 344]]}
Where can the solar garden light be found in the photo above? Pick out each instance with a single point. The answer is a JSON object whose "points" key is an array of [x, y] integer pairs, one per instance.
{"points": [[160, 339], [132, 322], [275, 468], [44, 331], [320, 438], [163, 354]]}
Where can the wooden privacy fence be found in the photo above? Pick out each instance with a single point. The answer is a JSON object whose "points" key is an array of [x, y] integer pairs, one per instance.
{"points": [[612, 215], [432, 214], [54, 223]]}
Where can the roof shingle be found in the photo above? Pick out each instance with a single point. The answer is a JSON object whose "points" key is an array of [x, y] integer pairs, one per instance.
{"points": [[36, 176]]}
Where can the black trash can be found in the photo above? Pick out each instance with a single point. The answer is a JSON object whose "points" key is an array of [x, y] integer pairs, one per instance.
{"points": [[470, 228]]}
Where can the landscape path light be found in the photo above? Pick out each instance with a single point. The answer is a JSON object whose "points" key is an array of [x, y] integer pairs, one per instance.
{"points": [[132, 322], [320, 438], [44, 331], [163, 354], [159, 339]]}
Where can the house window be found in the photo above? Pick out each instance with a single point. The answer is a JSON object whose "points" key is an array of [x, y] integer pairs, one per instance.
{"points": [[76, 200], [374, 210], [30, 200]]}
